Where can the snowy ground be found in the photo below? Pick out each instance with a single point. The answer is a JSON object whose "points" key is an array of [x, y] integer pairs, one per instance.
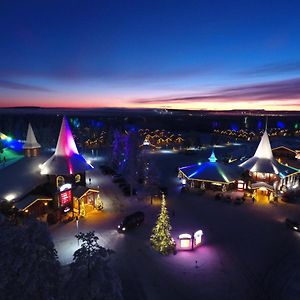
{"points": [[247, 251]]}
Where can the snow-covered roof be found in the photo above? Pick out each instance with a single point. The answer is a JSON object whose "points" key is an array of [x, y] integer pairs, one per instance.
{"points": [[212, 171], [31, 142], [66, 159], [21, 178], [263, 160], [29, 200], [79, 191]]}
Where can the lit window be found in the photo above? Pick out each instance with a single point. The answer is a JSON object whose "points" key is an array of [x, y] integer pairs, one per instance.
{"points": [[77, 178], [60, 180]]}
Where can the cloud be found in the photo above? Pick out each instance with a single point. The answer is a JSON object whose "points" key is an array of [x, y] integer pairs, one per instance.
{"points": [[274, 69], [140, 73], [277, 90], [6, 84]]}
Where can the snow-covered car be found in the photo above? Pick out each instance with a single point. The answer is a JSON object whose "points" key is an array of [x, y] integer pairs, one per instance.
{"points": [[132, 221]]}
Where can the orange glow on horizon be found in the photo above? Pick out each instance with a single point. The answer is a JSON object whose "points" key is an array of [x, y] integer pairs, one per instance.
{"points": [[69, 101]]}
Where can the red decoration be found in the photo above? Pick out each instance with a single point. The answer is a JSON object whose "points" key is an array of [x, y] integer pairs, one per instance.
{"points": [[65, 197]]}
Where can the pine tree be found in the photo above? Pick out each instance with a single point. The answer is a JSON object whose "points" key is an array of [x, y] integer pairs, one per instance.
{"points": [[91, 275], [161, 239]]}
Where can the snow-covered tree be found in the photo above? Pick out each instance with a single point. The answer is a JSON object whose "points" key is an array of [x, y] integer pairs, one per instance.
{"points": [[151, 178], [131, 155], [117, 151], [91, 275], [29, 268], [161, 239], [98, 202]]}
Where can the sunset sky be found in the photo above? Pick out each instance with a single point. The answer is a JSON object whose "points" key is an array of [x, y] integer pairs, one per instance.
{"points": [[198, 54]]}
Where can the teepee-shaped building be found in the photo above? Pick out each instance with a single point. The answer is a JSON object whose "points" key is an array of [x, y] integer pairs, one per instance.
{"points": [[269, 177], [31, 146], [66, 161], [262, 165]]}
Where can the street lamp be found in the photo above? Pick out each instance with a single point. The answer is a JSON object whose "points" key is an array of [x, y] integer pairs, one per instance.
{"points": [[77, 226]]}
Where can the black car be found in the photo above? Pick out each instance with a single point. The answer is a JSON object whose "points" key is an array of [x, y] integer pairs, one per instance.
{"points": [[292, 225], [132, 221]]}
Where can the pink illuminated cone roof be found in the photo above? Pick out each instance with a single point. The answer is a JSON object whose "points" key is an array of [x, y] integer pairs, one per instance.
{"points": [[65, 145], [66, 160]]}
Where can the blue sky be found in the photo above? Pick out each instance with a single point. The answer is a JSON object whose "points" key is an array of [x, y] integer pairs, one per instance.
{"points": [[177, 54]]}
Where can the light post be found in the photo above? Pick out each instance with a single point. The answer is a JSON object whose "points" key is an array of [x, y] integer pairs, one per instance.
{"points": [[77, 226]]}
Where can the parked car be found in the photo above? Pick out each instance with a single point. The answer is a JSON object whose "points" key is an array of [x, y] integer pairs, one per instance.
{"points": [[293, 225], [132, 221]]}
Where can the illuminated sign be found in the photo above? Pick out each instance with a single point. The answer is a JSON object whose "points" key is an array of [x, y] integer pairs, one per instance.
{"points": [[65, 198], [66, 186], [189, 242], [197, 237], [185, 240], [241, 185]]}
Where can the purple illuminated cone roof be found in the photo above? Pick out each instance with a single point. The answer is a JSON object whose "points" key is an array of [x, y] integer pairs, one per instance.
{"points": [[66, 159]]}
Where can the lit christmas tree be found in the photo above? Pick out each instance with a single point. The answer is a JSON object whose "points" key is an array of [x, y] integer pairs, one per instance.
{"points": [[161, 239]]}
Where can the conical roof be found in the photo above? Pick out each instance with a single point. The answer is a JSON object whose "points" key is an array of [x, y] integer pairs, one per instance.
{"points": [[31, 142], [66, 160], [263, 160], [264, 149], [212, 157], [65, 144]]}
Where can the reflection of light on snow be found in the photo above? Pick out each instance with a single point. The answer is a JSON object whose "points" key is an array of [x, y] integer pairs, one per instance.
{"points": [[219, 146], [91, 159], [10, 197], [165, 151]]}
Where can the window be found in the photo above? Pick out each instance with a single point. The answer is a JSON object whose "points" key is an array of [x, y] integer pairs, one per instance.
{"points": [[77, 178], [60, 180]]}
